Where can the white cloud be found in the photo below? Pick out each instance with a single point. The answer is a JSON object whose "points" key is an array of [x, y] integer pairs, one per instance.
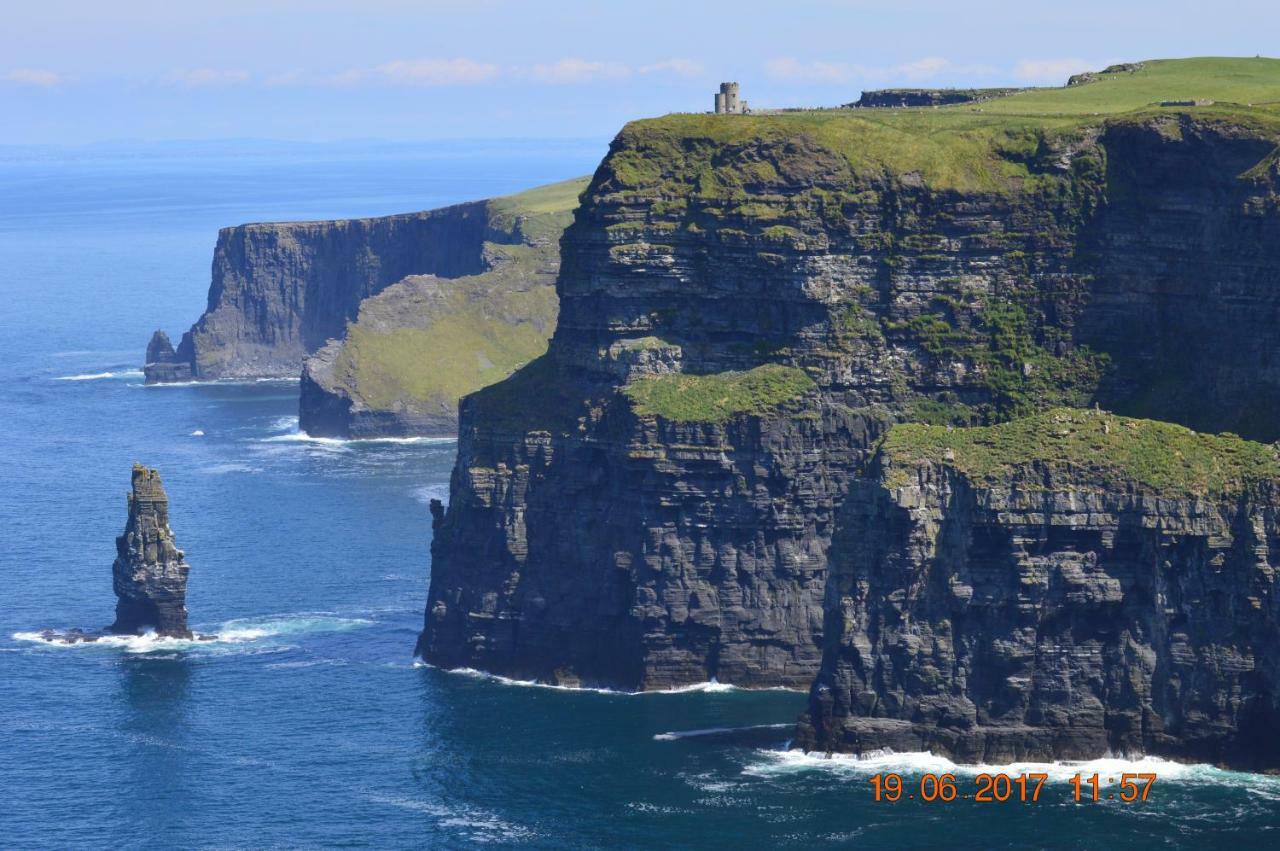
{"points": [[208, 77], [918, 70], [33, 77], [438, 72], [1051, 70], [923, 69], [787, 68], [572, 70], [679, 67]]}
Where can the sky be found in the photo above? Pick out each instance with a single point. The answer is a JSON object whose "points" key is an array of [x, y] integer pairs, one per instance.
{"points": [[75, 72]]}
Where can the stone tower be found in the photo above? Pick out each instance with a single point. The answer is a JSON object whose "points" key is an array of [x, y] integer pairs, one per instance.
{"points": [[727, 101], [149, 575]]}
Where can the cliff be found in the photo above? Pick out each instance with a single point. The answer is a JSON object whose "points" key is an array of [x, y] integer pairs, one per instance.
{"points": [[149, 574], [747, 304], [280, 291], [1059, 587], [422, 343]]}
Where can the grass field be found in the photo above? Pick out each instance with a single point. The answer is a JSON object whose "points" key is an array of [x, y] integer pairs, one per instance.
{"points": [[967, 146]]}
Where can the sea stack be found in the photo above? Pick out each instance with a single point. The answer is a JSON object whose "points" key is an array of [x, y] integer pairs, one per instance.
{"points": [[163, 365], [149, 575]]}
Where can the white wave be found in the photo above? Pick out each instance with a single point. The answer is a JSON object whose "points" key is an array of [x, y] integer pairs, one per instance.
{"points": [[673, 735], [198, 433], [239, 631], [224, 382], [772, 763], [303, 437], [710, 687], [99, 376]]}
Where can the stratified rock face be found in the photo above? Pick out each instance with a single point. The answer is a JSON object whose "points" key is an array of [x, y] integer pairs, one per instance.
{"points": [[149, 574], [593, 539], [281, 290], [1040, 613], [163, 366]]}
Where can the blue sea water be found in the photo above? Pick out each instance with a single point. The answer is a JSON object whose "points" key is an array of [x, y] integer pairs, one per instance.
{"points": [[308, 725]]}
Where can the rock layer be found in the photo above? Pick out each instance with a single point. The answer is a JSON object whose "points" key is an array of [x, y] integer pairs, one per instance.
{"points": [[149, 575]]}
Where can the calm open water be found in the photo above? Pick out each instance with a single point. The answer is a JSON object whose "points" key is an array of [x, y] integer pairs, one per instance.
{"points": [[310, 725]]}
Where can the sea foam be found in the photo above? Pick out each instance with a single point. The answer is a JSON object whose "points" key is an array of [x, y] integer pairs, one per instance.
{"points": [[773, 763], [101, 376]]}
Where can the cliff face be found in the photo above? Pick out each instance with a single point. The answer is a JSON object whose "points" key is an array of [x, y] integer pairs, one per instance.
{"points": [[422, 343], [280, 291], [997, 609], [747, 304], [149, 574]]}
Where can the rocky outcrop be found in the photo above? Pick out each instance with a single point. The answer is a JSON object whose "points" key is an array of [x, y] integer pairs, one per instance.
{"points": [[162, 365], [620, 515], [995, 609], [149, 574], [889, 98], [422, 343]]}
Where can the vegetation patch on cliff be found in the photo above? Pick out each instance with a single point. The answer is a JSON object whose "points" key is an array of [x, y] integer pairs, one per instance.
{"points": [[1097, 446], [719, 396]]}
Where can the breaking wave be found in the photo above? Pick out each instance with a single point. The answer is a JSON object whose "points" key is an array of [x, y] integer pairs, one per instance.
{"points": [[775, 763], [101, 376], [709, 687], [238, 631]]}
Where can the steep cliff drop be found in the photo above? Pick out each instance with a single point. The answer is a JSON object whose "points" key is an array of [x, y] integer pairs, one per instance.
{"points": [[149, 575], [1059, 587], [749, 304]]}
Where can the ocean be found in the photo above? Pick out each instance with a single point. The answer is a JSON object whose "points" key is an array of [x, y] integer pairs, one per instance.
{"points": [[308, 723]]}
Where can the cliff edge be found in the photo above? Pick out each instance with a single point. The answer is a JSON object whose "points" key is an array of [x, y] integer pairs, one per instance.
{"points": [[749, 303]]}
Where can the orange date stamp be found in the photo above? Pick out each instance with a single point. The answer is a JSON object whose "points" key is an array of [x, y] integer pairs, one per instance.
{"points": [[1004, 788]]}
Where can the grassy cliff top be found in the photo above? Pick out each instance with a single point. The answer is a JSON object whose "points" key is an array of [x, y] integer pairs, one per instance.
{"points": [[559, 197], [1098, 447], [967, 146]]}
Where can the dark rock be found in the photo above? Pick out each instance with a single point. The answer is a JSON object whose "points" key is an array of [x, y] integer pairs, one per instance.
{"points": [[163, 365], [890, 98], [149, 573]]}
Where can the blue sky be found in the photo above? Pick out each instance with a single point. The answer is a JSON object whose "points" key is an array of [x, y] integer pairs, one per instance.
{"points": [[74, 71]]}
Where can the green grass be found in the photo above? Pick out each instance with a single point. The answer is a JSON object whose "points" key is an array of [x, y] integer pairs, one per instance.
{"points": [[553, 198], [718, 397], [983, 147], [1221, 79], [457, 353], [1099, 448]]}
